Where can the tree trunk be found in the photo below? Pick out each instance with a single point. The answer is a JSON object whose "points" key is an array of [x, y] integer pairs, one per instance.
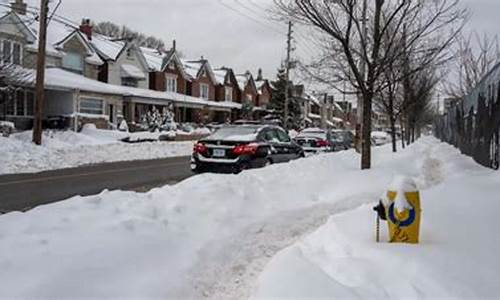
{"points": [[403, 131], [392, 119], [366, 130], [393, 133]]}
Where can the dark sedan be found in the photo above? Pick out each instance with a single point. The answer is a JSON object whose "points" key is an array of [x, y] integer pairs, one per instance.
{"points": [[236, 148]]}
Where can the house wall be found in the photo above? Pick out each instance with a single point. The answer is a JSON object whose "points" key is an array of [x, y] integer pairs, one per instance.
{"points": [[74, 45], [114, 68], [264, 98], [196, 87], [181, 82], [249, 90], [30, 57]]}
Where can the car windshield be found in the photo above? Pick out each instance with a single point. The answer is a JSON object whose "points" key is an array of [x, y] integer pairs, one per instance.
{"points": [[337, 136], [236, 133]]}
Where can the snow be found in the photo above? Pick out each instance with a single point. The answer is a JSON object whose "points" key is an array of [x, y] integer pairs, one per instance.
{"points": [[131, 71], [457, 257], [210, 236], [7, 124], [66, 149]]}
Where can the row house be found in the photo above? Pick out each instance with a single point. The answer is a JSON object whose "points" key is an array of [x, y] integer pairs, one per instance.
{"points": [[69, 51], [93, 78]]}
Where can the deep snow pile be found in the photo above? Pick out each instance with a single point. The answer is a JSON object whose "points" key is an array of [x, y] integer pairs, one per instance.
{"points": [[65, 149], [457, 256], [207, 236]]}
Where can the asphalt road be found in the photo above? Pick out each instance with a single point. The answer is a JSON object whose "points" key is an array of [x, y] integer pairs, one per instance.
{"points": [[25, 191]]}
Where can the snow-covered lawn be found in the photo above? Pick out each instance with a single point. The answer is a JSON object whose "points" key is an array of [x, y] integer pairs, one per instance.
{"points": [[457, 256], [65, 149], [212, 235]]}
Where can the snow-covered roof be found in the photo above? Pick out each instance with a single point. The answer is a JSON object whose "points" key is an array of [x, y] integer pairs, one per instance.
{"points": [[60, 79], [243, 80], [57, 34], [314, 116], [220, 75], [154, 58], [108, 48], [339, 120], [131, 71], [193, 68]]}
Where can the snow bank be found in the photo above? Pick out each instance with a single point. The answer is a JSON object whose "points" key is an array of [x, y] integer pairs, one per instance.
{"points": [[65, 149], [456, 258], [171, 241]]}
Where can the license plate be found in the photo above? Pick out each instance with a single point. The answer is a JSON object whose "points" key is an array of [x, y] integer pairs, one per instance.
{"points": [[219, 153]]}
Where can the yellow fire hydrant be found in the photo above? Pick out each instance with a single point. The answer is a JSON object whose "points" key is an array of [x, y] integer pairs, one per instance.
{"points": [[403, 211], [400, 206]]}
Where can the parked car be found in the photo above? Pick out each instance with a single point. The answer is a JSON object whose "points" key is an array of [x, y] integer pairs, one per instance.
{"points": [[380, 138], [315, 140], [342, 140], [234, 148]]}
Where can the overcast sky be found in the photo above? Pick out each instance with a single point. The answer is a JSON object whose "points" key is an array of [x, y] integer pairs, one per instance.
{"points": [[224, 35]]}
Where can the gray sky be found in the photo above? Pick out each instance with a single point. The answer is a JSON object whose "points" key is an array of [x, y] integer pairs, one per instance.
{"points": [[224, 36]]}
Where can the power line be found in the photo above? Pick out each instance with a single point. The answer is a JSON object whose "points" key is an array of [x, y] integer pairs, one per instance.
{"points": [[250, 17]]}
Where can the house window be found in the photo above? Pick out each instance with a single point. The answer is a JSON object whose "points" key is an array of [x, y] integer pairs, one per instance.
{"points": [[204, 90], [228, 97], [16, 54], [20, 103], [10, 106], [7, 51], [171, 84], [73, 62], [11, 52], [91, 106], [132, 82], [30, 103]]}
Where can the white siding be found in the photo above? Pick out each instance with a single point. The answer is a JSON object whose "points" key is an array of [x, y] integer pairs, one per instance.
{"points": [[114, 76]]}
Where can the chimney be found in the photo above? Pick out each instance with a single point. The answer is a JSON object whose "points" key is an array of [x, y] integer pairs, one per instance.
{"points": [[19, 7], [86, 28], [174, 45], [259, 75]]}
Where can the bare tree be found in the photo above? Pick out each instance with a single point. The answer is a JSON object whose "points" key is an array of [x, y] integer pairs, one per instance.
{"points": [[349, 44], [475, 56], [113, 30]]}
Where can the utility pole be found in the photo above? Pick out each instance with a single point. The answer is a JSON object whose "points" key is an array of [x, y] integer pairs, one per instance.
{"points": [[362, 67], [287, 72], [40, 73]]}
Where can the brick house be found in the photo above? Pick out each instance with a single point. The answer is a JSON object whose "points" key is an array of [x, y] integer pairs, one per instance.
{"points": [[248, 88]]}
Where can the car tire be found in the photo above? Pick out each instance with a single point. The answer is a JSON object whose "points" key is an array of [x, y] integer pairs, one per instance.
{"points": [[268, 162]]}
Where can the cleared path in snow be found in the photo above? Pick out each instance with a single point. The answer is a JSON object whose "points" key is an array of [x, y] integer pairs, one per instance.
{"points": [[24, 191]]}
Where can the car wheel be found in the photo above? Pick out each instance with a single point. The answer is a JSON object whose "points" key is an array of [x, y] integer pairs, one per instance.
{"points": [[268, 162]]}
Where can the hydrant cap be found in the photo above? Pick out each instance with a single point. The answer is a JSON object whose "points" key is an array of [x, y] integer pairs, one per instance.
{"points": [[403, 184]]}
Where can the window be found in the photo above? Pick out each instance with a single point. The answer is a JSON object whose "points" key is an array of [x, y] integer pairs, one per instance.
{"points": [[132, 82], [11, 106], [204, 90], [7, 51], [282, 136], [73, 62], [171, 84], [20, 103], [16, 54], [249, 98], [91, 106], [228, 94], [30, 103]]}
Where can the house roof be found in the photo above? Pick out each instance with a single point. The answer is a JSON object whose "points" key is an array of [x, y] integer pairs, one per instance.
{"points": [[57, 35], [109, 49], [131, 71], [220, 76], [194, 68], [59, 79], [154, 58], [245, 79]]}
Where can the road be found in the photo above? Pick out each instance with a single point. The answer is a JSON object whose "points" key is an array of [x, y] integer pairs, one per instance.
{"points": [[24, 191]]}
